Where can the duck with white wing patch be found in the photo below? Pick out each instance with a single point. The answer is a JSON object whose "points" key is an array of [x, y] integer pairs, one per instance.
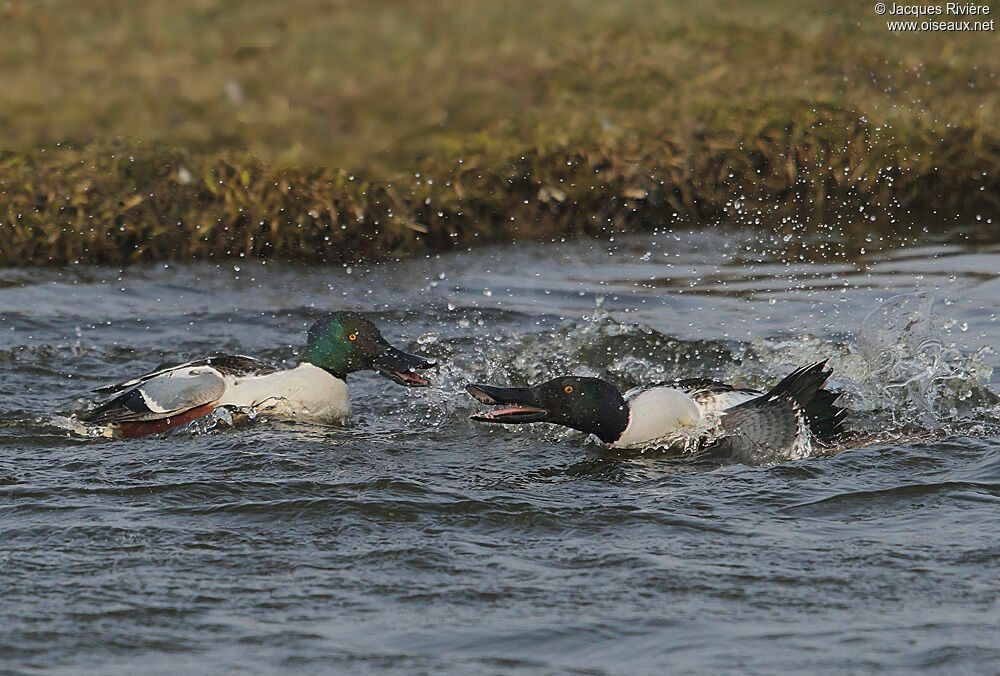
{"points": [[339, 343], [785, 422]]}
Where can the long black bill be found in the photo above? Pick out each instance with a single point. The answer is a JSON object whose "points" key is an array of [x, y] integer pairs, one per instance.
{"points": [[398, 366], [520, 404]]}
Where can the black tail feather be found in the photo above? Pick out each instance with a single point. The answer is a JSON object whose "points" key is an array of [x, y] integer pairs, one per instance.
{"points": [[804, 387], [825, 419]]}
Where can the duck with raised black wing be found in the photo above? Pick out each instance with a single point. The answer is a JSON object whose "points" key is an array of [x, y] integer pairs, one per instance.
{"points": [[338, 344], [786, 422]]}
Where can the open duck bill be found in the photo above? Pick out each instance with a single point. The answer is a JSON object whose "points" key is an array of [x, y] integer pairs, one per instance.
{"points": [[519, 404], [398, 366]]}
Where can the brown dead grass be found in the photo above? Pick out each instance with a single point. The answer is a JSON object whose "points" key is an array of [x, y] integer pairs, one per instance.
{"points": [[532, 120]]}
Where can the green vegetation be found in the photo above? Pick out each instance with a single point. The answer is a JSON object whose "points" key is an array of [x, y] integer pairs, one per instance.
{"points": [[451, 122]]}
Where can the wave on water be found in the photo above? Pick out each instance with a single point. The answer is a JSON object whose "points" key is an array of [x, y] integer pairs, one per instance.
{"points": [[898, 374]]}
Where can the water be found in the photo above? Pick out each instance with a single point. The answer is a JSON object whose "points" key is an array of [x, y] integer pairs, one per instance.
{"points": [[414, 540]]}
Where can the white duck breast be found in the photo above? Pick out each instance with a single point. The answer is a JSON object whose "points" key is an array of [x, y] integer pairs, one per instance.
{"points": [[677, 414], [305, 391], [661, 414]]}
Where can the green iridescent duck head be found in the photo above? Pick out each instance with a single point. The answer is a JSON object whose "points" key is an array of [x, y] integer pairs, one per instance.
{"points": [[345, 342]]}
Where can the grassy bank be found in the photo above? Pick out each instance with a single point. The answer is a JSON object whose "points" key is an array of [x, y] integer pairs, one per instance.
{"points": [[446, 123]]}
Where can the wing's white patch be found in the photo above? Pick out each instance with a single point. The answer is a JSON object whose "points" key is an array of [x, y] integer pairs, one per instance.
{"points": [[717, 402], [181, 389], [150, 404], [660, 416], [128, 384]]}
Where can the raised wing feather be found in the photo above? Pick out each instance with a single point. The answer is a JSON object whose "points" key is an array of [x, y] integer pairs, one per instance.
{"points": [[764, 425], [162, 395], [787, 418], [711, 396], [232, 364]]}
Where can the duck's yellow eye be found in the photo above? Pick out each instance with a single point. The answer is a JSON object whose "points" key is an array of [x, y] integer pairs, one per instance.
{"points": [[568, 389], [353, 336]]}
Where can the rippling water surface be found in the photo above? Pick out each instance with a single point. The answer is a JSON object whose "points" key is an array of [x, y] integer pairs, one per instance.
{"points": [[411, 539]]}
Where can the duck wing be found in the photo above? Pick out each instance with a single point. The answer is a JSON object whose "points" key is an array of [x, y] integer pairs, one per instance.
{"points": [[230, 364], [162, 396], [787, 417], [169, 392]]}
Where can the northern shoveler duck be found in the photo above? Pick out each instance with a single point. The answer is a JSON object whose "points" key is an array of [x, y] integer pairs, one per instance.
{"points": [[785, 422], [338, 344]]}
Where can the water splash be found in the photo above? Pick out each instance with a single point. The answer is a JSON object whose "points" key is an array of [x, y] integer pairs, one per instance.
{"points": [[913, 372]]}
